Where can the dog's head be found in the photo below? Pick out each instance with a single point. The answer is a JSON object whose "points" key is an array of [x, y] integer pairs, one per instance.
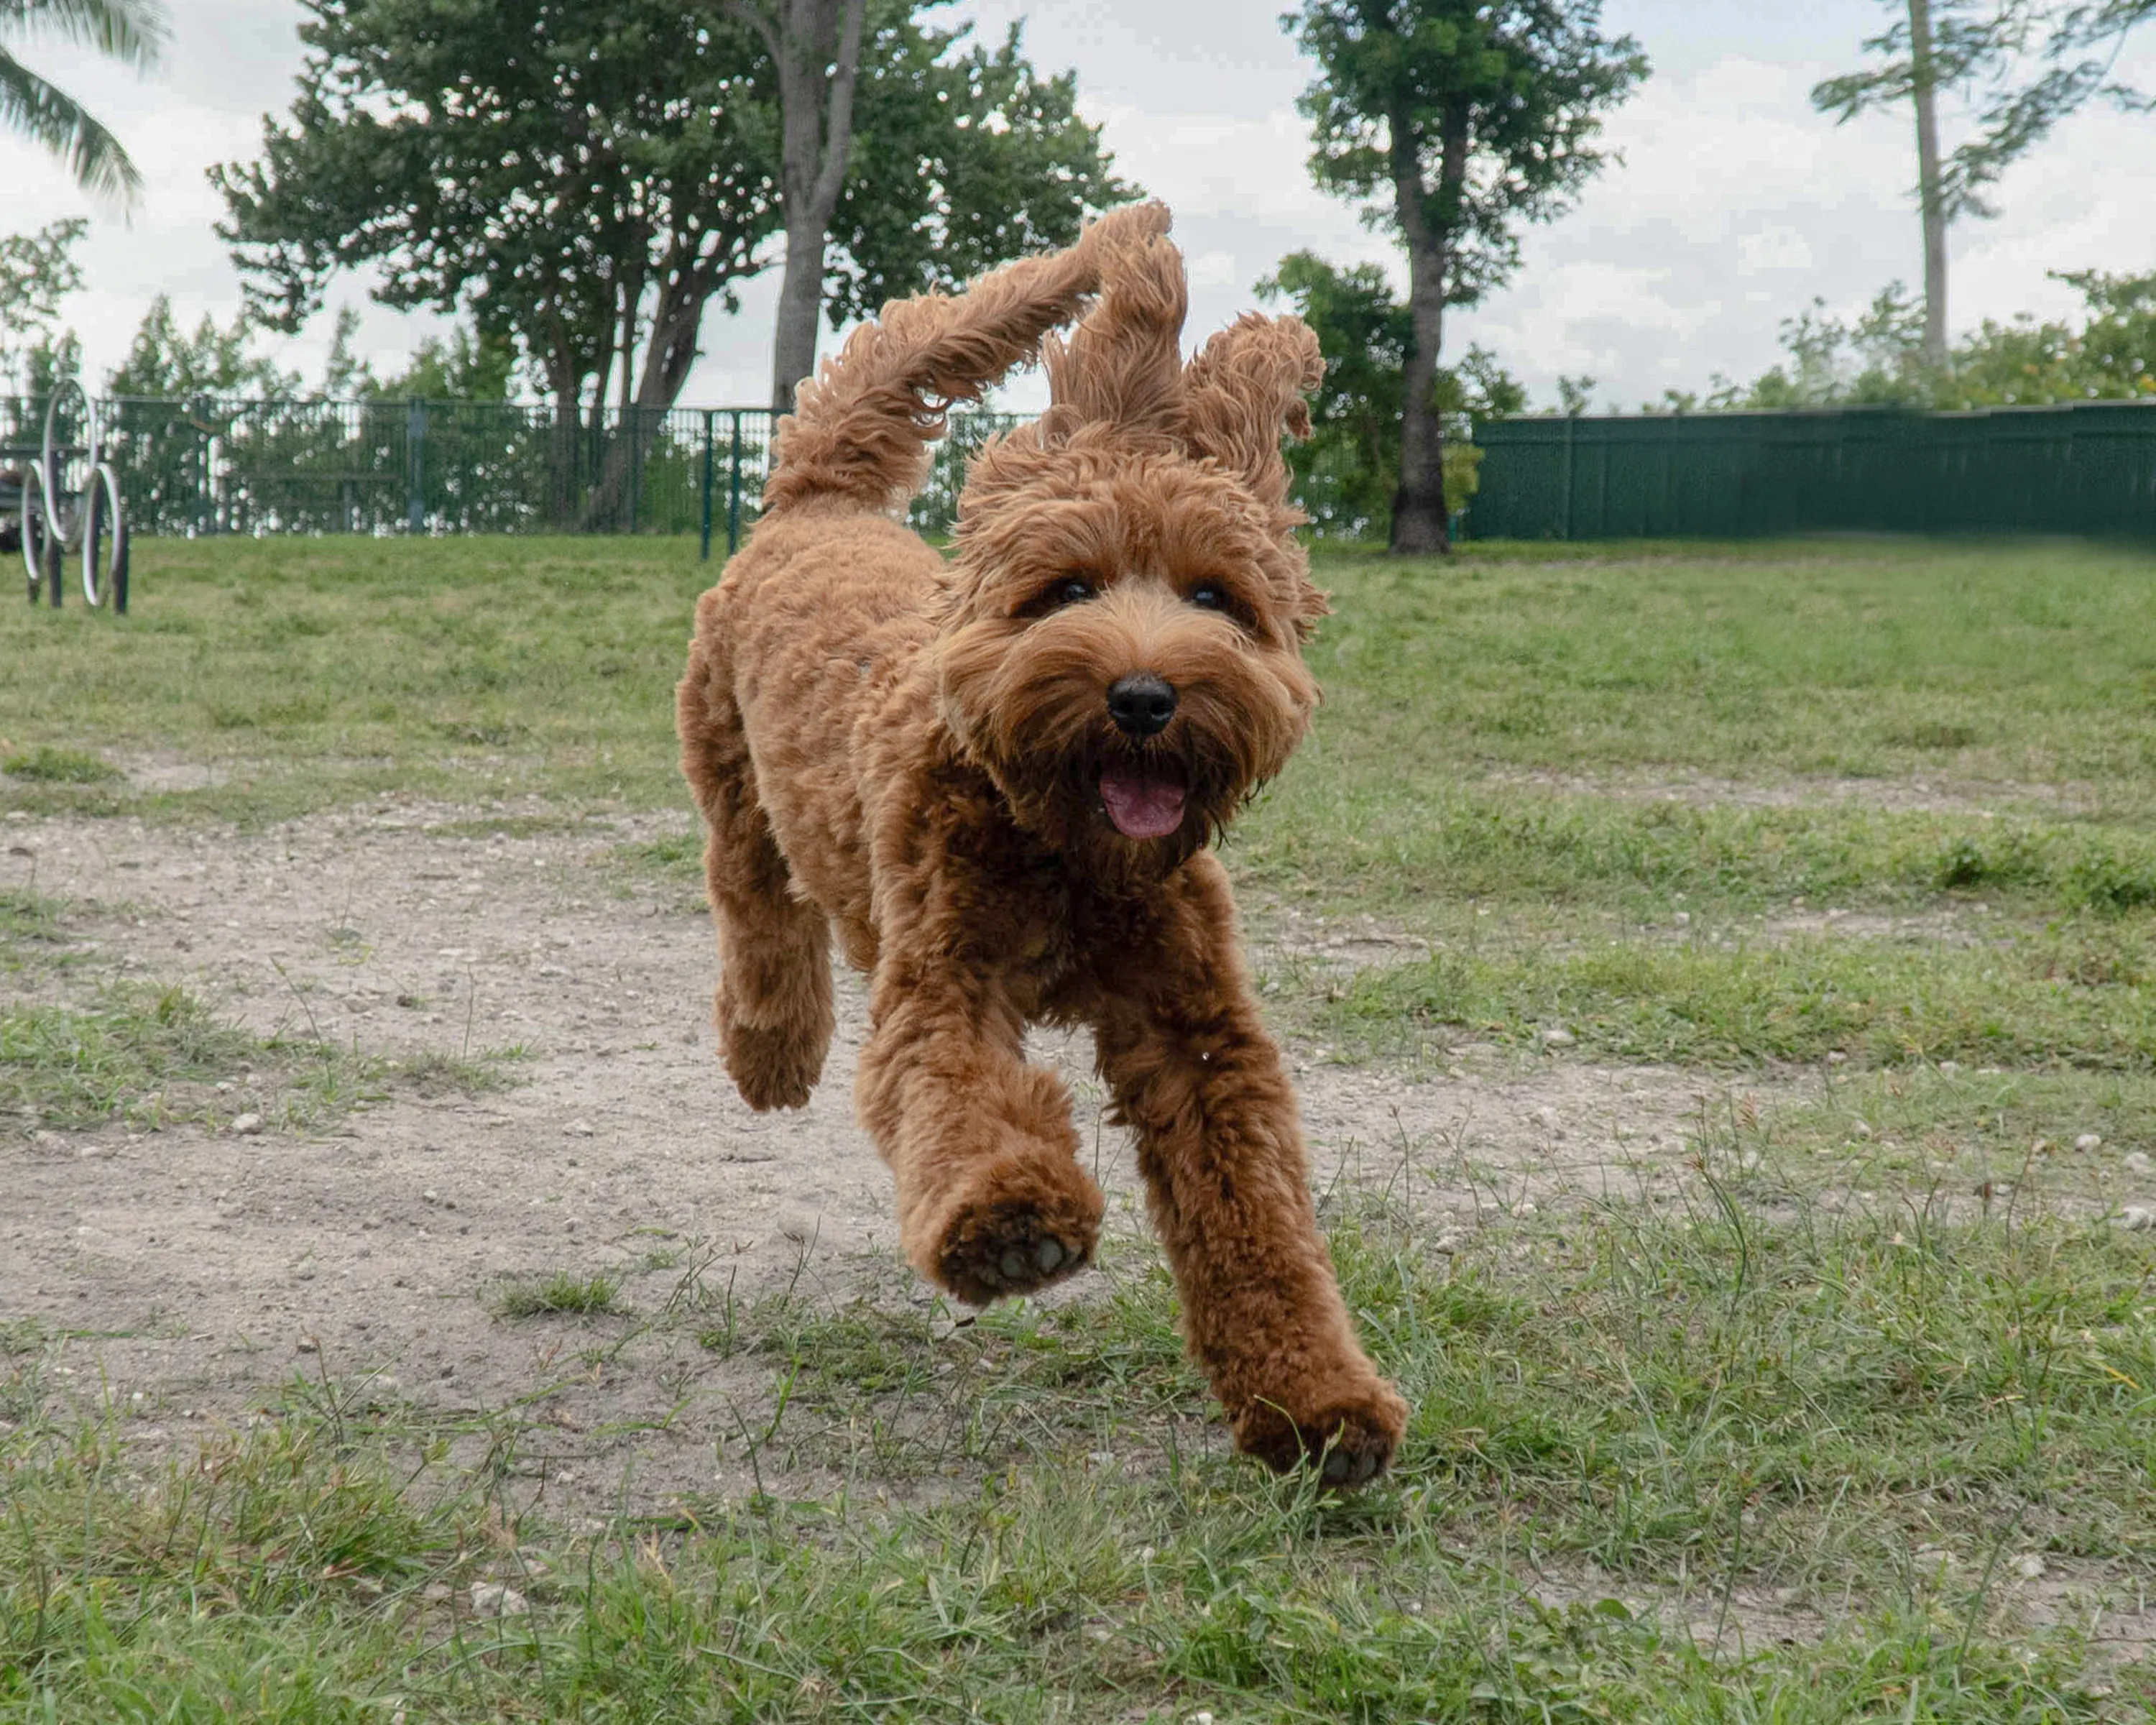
{"points": [[1123, 651]]}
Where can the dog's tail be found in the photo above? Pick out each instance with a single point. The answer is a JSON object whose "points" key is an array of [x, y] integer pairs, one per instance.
{"points": [[859, 431]]}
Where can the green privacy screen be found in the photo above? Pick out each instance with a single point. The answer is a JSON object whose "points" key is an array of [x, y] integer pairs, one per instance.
{"points": [[2090, 467]]}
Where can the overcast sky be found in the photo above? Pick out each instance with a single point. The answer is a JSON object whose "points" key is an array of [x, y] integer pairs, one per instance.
{"points": [[1735, 204]]}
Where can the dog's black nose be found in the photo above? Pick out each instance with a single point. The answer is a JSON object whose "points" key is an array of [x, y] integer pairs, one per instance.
{"points": [[1141, 705]]}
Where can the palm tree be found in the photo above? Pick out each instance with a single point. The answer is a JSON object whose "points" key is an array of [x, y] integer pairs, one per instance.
{"points": [[130, 31]]}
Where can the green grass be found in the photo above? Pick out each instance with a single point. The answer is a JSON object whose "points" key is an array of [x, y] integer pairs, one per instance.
{"points": [[1986, 660], [312, 673], [1884, 1340], [1647, 1418], [2074, 994], [563, 1292], [57, 766]]}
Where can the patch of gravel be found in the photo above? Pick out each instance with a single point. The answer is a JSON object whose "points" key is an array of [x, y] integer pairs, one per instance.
{"points": [[200, 1269]]}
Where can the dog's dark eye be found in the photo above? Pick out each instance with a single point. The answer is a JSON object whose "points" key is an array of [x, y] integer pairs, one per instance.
{"points": [[1073, 592], [1209, 597]]}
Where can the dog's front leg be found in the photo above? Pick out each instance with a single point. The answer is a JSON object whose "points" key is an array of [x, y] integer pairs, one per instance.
{"points": [[1221, 1146], [991, 1198]]}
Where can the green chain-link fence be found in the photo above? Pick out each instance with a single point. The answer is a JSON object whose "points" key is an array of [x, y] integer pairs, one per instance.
{"points": [[214, 465], [2085, 468]]}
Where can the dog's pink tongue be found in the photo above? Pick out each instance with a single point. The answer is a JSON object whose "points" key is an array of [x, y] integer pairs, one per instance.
{"points": [[1142, 804]]}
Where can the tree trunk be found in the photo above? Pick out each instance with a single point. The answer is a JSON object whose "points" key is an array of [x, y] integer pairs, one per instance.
{"points": [[567, 385], [1930, 191], [800, 304], [675, 322], [815, 47], [1419, 516]]}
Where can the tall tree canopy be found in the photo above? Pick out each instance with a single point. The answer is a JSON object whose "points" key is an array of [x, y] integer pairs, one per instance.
{"points": [[130, 31], [2022, 66], [587, 176], [1348, 468], [1453, 121], [578, 176]]}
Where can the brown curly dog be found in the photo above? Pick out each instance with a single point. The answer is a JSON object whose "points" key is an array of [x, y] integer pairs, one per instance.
{"points": [[996, 778]]}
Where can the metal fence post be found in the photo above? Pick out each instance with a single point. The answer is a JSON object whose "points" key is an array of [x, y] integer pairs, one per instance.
{"points": [[1564, 522], [415, 451], [705, 554], [733, 490]]}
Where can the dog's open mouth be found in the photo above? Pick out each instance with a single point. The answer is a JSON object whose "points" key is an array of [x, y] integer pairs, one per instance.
{"points": [[1144, 798]]}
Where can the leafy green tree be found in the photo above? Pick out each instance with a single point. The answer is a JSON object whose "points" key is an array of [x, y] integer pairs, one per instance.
{"points": [[1933, 45], [2025, 65], [573, 174], [468, 367], [1347, 470], [969, 158], [130, 31], [37, 272], [2062, 55], [1453, 121], [167, 361], [586, 176], [2108, 353]]}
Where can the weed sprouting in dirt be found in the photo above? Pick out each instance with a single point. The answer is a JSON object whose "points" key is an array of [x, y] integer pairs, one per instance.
{"points": [[563, 1290]]}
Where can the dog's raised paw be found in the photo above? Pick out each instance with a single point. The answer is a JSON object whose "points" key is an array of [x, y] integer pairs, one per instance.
{"points": [[1007, 1248], [772, 1069]]}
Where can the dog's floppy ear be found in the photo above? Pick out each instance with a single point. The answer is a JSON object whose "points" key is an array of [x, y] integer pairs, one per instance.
{"points": [[1245, 389], [1122, 365]]}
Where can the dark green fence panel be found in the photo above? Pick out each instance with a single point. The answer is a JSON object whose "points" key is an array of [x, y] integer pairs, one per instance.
{"points": [[2088, 468]]}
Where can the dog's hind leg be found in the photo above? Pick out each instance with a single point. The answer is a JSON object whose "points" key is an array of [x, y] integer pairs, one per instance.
{"points": [[773, 1006]]}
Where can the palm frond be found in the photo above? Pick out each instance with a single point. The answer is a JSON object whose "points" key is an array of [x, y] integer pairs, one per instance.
{"points": [[46, 115], [133, 32]]}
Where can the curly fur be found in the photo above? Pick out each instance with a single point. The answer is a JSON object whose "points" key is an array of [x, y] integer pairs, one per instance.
{"points": [[914, 754]]}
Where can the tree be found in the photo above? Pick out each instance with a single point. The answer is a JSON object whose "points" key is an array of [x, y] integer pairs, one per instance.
{"points": [[2025, 65], [130, 31], [166, 360], [815, 49], [586, 176], [2069, 57], [1932, 45], [1454, 120], [963, 158], [969, 158], [37, 271], [574, 175], [1349, 468], [2108, 353]]}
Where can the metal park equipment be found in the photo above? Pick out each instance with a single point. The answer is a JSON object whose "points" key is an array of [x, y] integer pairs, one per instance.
{"points": [[64, 497]]}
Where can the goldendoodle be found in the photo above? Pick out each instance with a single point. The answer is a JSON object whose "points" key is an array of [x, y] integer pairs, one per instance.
{"points": [[996, 778]]}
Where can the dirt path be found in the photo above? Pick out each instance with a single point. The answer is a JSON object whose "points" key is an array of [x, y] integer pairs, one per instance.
{"points": [[200, 1269]]}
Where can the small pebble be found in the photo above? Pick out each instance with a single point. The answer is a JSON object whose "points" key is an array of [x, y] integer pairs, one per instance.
{"points": [[2136, 1163], [2087, 1142], [578, 1129], [2137, 1218], [247, 1126], [490, 1598], [2028, 1566]]}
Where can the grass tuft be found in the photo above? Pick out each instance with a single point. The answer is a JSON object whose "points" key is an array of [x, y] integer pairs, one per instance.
{"points": [[593, 1295], [47, 765]]}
